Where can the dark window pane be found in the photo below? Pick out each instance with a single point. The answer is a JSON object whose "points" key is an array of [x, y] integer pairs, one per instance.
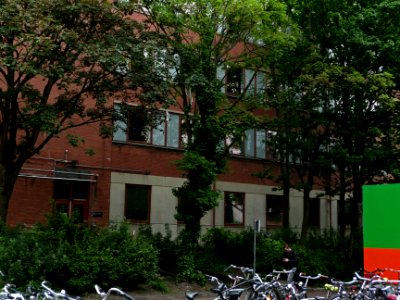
{"points": [[137, 203], [234, 208], [274, 210], [62, 189], [70, 189], [315, 212], [80, 189], [233, 81], [138, 122]]}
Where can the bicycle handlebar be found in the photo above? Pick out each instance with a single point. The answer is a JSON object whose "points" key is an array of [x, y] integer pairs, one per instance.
{"points": [[61, 294], [244, 270], [118, 291], [305, 276], [359, 277], [343, 283]]}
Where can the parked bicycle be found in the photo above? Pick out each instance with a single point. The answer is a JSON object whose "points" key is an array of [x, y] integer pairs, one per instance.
{"points": [[119, 292]]}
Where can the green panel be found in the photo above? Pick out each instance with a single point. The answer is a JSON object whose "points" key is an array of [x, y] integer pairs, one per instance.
{"points": [[381, 211]]}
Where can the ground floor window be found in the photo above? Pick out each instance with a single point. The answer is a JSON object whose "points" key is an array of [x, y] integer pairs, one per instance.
{"points": [[315, 205], [137, 203], [71, 198], [234, 209], [77, 209], [274, 211]]}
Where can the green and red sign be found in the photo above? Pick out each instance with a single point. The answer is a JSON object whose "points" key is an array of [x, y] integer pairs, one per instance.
{"points": [[381, 227]]}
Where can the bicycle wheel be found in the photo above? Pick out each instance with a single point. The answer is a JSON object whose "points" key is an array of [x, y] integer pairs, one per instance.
{"points": [[265, 294], [340, 297]]}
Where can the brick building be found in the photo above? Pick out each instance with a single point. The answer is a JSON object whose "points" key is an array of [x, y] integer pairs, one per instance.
{"points": [[131, 177], [133, 180]]}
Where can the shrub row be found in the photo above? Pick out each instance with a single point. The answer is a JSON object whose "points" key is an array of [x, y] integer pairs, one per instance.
{"points": [[76, 257], [323, 252]]}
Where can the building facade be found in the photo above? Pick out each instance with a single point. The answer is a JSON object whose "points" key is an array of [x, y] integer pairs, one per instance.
{"points": [[131, 175], [130, 179]]}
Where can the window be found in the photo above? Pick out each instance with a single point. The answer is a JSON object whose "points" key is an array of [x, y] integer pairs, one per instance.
{"points": [[137, 203], [315, 212], [71, 198], [344, 212], [234, 209], [233, 147], [254, 143], [274, 211], [159, 128], [70, 189], [167, 133], [165, 63], [233, 81], [272, 142], [237, 80], [138, 124], [254, 82]]}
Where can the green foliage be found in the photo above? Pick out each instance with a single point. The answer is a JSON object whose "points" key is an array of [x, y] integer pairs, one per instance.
{"points": [[166, 247], [323, 252], [75, 257], [187, 269], [60, 63]]}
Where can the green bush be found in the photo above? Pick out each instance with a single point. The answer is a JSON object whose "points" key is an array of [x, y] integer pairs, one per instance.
{"points": [[165, 245], [323, 252], [75, 257]]}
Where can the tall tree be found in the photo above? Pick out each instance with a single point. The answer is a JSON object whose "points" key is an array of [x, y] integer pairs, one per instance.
{"points": [[60, 61], [331, 93], [349, 75], [212, 40]]}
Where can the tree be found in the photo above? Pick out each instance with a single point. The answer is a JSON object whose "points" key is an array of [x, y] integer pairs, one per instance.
{"points": [[60, 62], [207, 38], [348, 76]]}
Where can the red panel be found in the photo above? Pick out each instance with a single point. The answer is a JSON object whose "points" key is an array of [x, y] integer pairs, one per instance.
{"points": [[381, 258]]}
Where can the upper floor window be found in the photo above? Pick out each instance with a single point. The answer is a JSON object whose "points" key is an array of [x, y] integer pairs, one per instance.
{"points": [[234, 209], [165, 63], [234, 81], [160, 128], [138, 124], [252, 145], [238, 80]]}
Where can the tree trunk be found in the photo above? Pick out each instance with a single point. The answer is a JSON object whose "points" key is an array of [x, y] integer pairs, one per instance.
{"points": [[7, 181]]}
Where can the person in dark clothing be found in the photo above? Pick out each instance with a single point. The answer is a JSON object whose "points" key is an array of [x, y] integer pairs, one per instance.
{"points": [[289, 261]]}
